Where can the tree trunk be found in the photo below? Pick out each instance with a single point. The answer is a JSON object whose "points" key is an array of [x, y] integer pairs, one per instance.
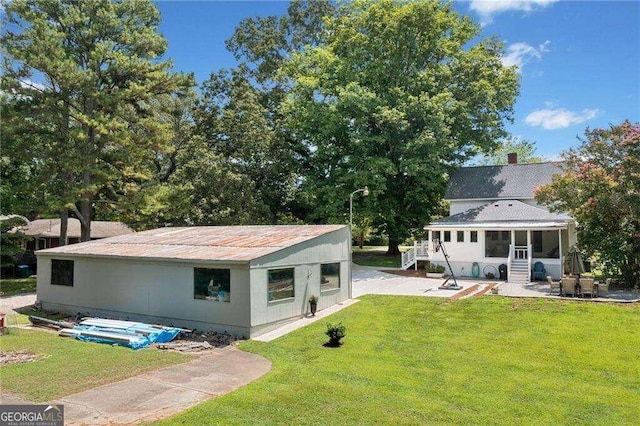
{"points": [[85, 220], [394, 248], [361, 240], [64, 224]]}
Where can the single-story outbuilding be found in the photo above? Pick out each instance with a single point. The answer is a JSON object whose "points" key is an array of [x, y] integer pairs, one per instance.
{"points": [[245, 280]]}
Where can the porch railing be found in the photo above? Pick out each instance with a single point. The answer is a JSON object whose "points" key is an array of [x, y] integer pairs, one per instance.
{"points": [[420, 251], [521, 252], [408, 258]]}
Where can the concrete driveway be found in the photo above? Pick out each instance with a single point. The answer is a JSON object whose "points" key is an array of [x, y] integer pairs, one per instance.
{"points": [[372, 281]]}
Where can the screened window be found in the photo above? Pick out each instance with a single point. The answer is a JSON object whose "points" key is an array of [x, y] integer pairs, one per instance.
{"points": [[330, 276], [460, 237], [281, 284], [495, 243], [212, 284], [447, 236], [537, 241], [473, 236], [62, 272], [435, 235]]}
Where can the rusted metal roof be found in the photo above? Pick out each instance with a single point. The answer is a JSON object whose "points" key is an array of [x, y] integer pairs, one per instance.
{"points": [[50, 228], [212, 243]]}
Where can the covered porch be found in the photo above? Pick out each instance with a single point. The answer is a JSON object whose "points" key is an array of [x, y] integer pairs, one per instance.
{"points": [[480, 253], [504, 239]]}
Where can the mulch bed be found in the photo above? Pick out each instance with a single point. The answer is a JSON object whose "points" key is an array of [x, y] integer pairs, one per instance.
{"points": [[420, 273]]}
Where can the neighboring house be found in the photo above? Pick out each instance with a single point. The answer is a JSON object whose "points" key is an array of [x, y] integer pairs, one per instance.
{"points": [[494, 220], [45, 233], [244, 280]]}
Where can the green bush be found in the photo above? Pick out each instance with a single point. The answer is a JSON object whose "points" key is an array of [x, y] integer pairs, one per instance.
{"points": [[436, 269], [336, 333]]}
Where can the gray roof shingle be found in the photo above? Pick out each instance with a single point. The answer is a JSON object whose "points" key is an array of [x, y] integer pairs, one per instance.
{"points": [[513, 181], [503, 211]]}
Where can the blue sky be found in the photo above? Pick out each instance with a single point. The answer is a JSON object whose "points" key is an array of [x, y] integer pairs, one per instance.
{"points": [[579, 60]]}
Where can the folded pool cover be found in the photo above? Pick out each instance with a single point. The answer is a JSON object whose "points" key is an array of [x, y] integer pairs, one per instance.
{"points": [[134, 335]]}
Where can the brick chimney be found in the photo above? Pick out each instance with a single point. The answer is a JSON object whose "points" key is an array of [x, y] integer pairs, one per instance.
{"points": [[512, 158]]}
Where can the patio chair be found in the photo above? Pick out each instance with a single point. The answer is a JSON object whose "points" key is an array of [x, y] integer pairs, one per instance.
{"points": [[603, 288], [553, 284], [538, 272], [568, 286], [586, 286]]}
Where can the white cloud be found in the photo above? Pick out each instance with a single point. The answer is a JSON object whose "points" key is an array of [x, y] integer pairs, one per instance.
{"points": [[487, 8], [519, 54], [559, 118]]}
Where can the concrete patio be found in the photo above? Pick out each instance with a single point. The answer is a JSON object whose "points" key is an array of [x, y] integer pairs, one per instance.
{"points": [[541, 289]]}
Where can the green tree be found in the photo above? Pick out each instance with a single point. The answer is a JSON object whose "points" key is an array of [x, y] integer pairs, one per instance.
{"points": [[525, 150], [600, 188], [21, 189], [99, 63], [394, 97], [149, 194], [261, 46], [12, 242], [238, 129]]}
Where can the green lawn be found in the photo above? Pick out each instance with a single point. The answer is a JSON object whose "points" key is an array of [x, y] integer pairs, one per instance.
{"points": [[413, 360], [375, 256], [15, 286], [70, 366]]}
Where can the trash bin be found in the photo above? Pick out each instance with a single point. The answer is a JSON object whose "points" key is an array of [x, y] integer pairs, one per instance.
{"points": [[23, 271], [503, 272]]}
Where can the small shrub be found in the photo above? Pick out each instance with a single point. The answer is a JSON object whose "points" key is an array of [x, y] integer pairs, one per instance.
{"points": [[433, 268], [336, 333]]}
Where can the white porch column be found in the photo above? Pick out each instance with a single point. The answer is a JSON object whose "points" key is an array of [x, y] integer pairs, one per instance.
{"points": [[529, 254], [560, 252]]}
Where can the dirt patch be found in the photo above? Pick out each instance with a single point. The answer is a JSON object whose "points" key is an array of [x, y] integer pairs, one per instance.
{"points": [[199, 341], [18, 357], [420, 273]]}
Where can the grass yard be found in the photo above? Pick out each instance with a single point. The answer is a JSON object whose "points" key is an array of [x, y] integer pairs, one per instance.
{"points": [[14, 286], [70, 366], [375, 256], [413, 360]]}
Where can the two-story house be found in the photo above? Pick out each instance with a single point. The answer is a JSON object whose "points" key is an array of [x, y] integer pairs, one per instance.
{"points": [[494, 224]]}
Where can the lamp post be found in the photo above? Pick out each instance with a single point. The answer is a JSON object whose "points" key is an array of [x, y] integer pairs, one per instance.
{"points": [[365, 192]]}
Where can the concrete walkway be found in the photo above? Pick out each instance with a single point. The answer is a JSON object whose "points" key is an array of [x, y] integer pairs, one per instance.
{"points": [[165, 392], [161, 393]]}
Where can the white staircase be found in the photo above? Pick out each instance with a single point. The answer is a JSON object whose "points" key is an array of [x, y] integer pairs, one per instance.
{"points": [[420, 251], [519, 272]]}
